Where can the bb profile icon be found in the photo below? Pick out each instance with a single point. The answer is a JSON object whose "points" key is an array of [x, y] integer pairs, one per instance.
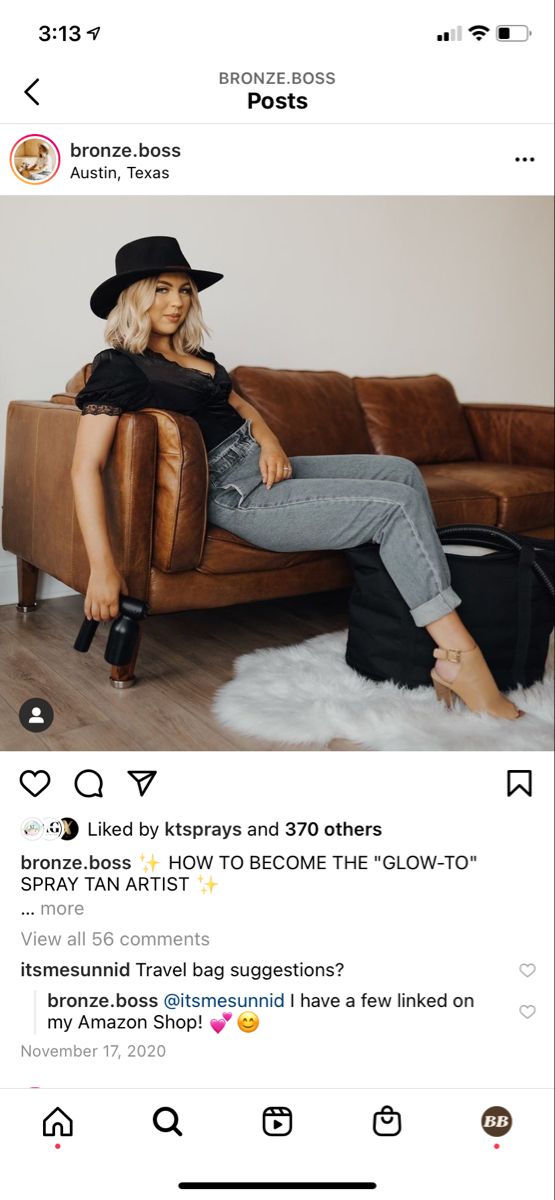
{"points": [[35, 159], [496, 1121]]}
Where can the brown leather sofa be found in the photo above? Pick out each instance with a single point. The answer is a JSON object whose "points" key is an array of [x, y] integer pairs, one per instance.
{"points": [[487, 463]]}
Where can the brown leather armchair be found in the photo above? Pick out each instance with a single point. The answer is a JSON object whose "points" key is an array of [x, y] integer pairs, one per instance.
{"points": [[491, 464]]}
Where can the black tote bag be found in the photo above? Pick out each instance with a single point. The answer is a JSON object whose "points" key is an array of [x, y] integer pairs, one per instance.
{"points": [[507, 604]]}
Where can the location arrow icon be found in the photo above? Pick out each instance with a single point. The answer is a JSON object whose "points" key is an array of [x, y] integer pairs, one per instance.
{"points": [[143, 779], [29, 89]]}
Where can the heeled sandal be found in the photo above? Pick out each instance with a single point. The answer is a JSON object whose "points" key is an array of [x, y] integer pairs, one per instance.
{"points": [[474, 685]]}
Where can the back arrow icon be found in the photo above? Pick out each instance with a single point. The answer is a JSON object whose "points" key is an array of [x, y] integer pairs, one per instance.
{"points": [[29, 89]]}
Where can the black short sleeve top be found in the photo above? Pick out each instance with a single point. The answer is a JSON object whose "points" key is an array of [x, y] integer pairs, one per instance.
{"points": [[123, 382]]}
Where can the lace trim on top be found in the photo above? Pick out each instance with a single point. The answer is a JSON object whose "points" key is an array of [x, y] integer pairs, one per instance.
{"points": [[94, 410]]}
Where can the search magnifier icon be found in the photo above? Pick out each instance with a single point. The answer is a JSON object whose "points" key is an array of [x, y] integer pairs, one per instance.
{"points": [[170, 1121]]}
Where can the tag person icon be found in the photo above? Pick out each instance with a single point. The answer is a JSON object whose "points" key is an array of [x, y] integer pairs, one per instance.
{"points": [[36, 715]]}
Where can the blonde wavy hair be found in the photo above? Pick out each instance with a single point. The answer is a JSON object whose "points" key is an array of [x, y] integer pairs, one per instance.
{"points": [[128, 325]]}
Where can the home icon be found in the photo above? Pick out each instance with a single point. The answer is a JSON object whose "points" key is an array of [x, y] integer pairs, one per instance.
{"points": [[57, 1124]]}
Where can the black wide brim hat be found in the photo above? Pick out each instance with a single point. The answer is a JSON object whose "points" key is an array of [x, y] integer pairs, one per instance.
{"points": [[142, 259]]}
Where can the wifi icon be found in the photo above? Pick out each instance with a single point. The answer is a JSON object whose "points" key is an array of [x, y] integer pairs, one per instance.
{"points": [[479, 31]]}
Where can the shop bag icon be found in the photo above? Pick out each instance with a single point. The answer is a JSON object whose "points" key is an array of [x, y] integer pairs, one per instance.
{"points": [[387, 1122]]}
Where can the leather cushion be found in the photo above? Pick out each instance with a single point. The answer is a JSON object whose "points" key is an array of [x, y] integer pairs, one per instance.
{"points": [[40, 524], [455, 501], [181, 491], [418, 418], [193, 589], [511, 433], [524, 495], [227, 554], [311, 412]]}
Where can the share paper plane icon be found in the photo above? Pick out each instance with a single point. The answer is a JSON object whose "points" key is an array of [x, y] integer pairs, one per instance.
{"points": [[143, 779]]}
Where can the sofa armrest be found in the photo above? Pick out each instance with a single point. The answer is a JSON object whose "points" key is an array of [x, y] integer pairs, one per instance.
{"points": [[512, 433], [39, 520], [181, 493]]}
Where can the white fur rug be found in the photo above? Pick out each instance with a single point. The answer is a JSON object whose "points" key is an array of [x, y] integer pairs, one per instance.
{"points": [[307, 694]]}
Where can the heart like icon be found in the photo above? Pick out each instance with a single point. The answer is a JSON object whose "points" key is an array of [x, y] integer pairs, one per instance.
{"points": [[227, 1016], [527, 1010], [217, 1025], [34, 782], [527, 969]]}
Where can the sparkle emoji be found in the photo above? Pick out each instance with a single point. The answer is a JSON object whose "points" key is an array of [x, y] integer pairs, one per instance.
{"points": [[248, 1022], [151, 862], [206, 885]]}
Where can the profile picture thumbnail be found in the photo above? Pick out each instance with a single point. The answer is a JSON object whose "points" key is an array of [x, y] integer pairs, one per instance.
{"points": [[35, 159]]}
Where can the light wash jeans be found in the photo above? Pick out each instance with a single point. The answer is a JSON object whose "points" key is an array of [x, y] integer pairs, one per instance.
{"points": [[333, 502]]}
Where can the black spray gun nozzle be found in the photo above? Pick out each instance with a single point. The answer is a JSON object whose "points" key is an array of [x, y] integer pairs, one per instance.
{"points": [[123, 635]]}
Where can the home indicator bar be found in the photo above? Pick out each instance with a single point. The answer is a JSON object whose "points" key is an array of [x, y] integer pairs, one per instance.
{"points": [[305, 1187]]}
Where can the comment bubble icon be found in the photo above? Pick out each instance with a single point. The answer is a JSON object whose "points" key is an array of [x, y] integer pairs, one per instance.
{"points": [[88, 783]]}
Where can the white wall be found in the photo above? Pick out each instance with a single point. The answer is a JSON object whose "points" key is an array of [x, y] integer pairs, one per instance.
{"points": [[364, 285]]}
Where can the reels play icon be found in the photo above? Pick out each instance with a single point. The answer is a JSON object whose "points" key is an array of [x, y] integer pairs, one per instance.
{"points": [[277, 1122]]}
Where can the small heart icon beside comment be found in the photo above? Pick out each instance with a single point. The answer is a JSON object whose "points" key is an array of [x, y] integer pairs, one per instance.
{"points": [[217, 1026], [34, 782], [227, 1016], [527, 1010], [527, 969]]}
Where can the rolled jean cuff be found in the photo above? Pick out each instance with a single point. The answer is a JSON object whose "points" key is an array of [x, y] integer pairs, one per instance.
{"points": [[439, 606]]}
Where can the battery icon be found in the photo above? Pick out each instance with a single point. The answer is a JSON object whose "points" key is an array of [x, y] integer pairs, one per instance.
{"points": [[512, 33]]}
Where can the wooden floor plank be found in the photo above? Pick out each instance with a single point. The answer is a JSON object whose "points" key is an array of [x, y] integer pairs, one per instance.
{"points": [[102, 735], [185, 658], [12, 735], [25, 674]]}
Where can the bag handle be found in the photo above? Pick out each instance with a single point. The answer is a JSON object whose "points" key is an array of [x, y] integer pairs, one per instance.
{"points": [[497, 539], [524, 611]]}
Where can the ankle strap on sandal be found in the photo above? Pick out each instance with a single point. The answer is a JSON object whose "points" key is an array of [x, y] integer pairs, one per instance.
{"points": [[453, 656]]}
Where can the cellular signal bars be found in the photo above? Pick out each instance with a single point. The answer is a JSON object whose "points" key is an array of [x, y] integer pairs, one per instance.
{"points": [[453, 35]]}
